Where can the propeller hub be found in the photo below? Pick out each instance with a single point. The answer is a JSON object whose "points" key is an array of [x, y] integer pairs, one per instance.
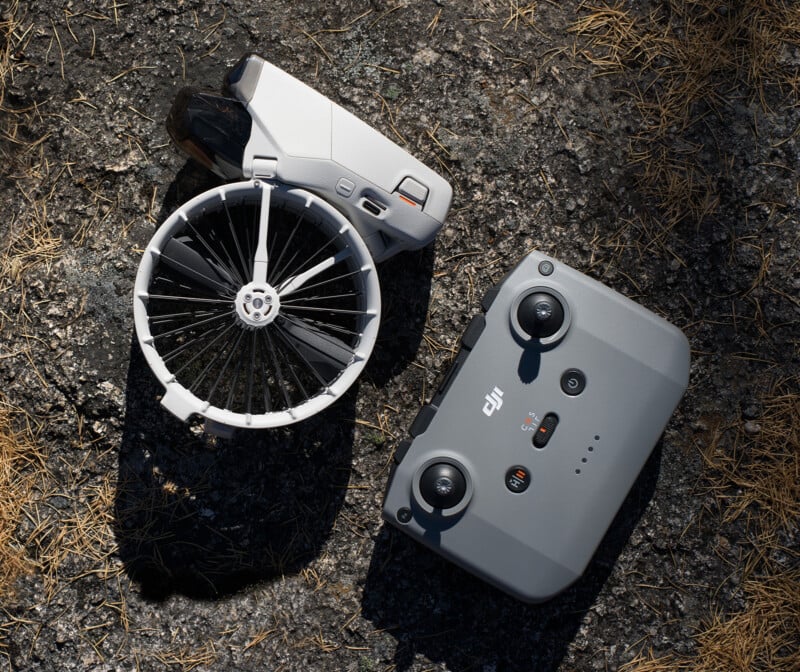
{"points": [[257, 304]]}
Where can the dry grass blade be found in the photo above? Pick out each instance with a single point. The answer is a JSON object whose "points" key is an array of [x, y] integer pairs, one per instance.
{"points": [[691, 59], [29, 246], [21, 463], [28, 239], [757, 480], [187, 658], [698, 49], [12, 36], [762, 638], [676, 182], [82, 532], [762, 473], [520, 14], [615, 37]]}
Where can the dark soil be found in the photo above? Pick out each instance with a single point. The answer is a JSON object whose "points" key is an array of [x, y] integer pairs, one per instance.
{"points": [[156, 547]]}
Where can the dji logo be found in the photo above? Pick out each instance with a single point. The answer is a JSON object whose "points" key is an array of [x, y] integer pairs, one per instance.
{"points": [[494, 400]]}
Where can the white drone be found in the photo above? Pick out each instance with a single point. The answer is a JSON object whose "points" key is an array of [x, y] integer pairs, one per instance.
{"points": [[257, 303]]}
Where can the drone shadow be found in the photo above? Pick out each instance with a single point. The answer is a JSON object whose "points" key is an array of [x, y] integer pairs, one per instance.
{"points": [[405, 281], [190, 181], [205, 517], [433, 608]]}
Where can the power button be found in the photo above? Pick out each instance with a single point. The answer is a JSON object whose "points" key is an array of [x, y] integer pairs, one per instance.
{"points": [[573, 382]]}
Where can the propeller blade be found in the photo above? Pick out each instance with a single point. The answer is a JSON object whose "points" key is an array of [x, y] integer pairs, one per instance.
{"points": [[327, 354], [185, 260]]}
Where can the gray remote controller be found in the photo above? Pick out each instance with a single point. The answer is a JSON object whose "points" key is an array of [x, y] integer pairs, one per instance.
{"points": [[519, 463]]}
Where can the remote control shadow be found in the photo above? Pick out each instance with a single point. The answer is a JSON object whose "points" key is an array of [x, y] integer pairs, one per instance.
{"points": [[433, 608]]}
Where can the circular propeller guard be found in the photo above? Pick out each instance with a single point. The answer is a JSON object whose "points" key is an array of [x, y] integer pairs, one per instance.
{"points": [[256, 305]]}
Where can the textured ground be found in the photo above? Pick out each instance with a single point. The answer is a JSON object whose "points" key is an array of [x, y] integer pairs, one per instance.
{"points": [[652, 145]]}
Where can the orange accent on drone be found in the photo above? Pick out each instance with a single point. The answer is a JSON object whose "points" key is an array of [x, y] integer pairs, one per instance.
{"points": [[407, 200]]}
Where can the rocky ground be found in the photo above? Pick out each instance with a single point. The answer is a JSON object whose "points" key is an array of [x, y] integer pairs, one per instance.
{"points": [[652, 145]]}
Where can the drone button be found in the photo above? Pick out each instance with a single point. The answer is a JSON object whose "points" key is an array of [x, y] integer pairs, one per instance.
{"points": [[345, 187], [413, 190]]}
